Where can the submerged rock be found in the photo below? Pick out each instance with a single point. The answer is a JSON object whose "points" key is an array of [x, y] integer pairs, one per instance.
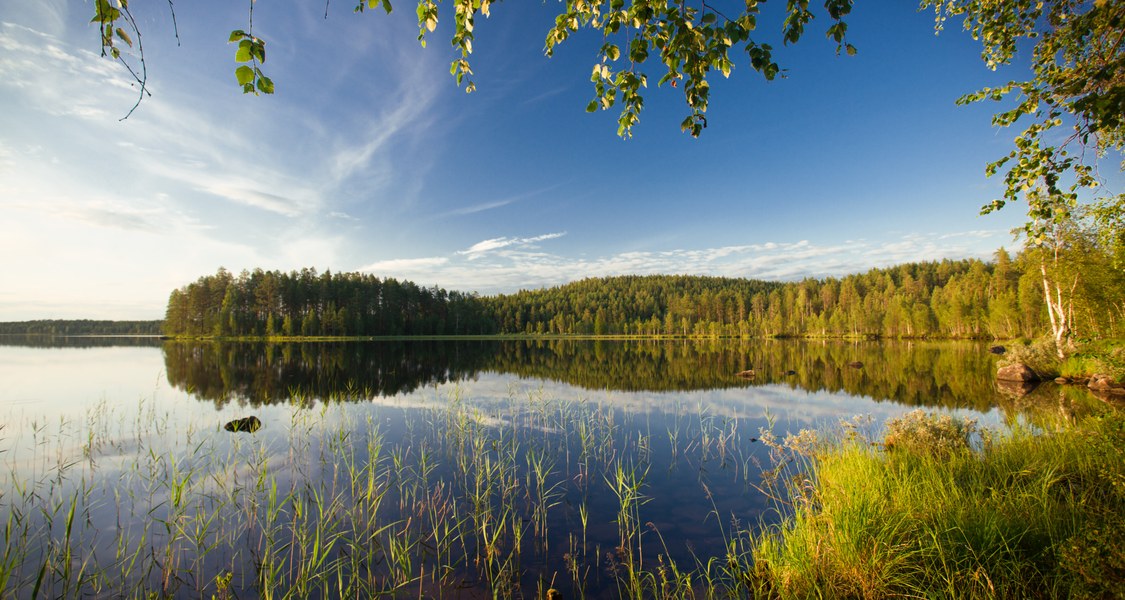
{"points": [[249, 424], [997, 349], [1016, 372]]}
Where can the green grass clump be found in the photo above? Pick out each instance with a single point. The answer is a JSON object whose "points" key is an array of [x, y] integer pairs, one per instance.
{"points": [[1027, 515], [1105, 358]]}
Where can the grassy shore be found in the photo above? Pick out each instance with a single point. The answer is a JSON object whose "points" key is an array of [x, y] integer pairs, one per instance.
{"points": [[940, 509]]}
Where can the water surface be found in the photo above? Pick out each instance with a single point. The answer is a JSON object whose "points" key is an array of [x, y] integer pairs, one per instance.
{"points": [[529, 441]]}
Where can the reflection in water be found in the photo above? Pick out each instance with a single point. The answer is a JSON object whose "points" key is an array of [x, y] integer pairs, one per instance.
{"points": [[505, 488], [950, 375], [80, 341]]}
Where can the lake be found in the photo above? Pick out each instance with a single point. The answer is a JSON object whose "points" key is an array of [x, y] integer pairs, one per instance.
{"points": [[427, 468]]}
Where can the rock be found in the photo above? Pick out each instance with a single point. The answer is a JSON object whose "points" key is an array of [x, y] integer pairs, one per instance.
{"points": [[1016, 372], [1062, 380], [747, 374], [1105, 383], [790, 372], [249, 424], [855, 364], [997, 350]]}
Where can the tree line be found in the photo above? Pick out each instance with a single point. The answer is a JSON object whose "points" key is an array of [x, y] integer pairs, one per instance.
{"points": [[950, 299], [942, 299], [305, 303], [80, 327]]}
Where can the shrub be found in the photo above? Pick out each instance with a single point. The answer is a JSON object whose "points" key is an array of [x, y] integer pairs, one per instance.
{"points": [[933, 434], [1039, 355]]}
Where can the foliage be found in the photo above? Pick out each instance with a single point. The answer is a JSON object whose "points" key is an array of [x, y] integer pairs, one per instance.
{"points": [[80, 327], [272, 303], [687, 43], [946, 299], [1029, 515], [1077, 80]]}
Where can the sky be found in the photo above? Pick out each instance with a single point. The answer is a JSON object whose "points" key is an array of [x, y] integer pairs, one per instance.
{"points": [[370, 158]]}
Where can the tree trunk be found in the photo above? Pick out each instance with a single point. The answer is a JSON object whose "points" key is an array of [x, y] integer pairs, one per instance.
{"points": [[1060, 312]]}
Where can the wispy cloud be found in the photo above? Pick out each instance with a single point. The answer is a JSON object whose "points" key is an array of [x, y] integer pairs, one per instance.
{"points": [[404, 265], [480, 249], [494, 204], [468, 210]]}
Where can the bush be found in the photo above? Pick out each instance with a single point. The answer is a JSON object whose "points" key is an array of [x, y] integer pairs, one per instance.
{"points": [[938, 435], [1039, 355]]}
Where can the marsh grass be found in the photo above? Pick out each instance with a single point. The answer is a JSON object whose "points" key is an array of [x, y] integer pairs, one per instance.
{"points": [[933, 514], [342, 500]]}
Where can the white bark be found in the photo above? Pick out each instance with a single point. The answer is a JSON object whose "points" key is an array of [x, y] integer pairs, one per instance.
{"points": [[1060, 312]]}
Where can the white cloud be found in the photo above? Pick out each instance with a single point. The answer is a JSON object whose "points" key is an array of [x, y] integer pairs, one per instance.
{"points": [[503, 265], [479, 249], [405, 265]]}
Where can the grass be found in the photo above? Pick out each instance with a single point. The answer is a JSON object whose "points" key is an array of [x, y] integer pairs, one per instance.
{"points": [[1105, 357], [941, 511], [545, 498]]}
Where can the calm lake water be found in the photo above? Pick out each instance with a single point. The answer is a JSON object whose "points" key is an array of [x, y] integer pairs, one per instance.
{"points": [[502, 467]]}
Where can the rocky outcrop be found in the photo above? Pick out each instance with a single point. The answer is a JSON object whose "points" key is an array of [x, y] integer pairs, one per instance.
{"points": [[1016, 372]]}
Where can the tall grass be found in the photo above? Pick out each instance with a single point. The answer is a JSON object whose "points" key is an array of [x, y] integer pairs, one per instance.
{"points": [[939, 511]]}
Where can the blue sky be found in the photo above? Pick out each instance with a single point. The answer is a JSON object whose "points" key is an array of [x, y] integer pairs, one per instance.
{"points": [[370, 158]]}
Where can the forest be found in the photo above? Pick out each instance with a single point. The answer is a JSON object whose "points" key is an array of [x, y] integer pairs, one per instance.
{"points": [[80, 327], [947, 299], [305, 303]]}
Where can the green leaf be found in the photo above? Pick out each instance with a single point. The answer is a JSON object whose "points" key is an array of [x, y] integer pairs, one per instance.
{"points": [[592, 106], [238, 34], [243, 53], [851, 50], [124, 37], [244, 74], [387, 6], [265, 84]]}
